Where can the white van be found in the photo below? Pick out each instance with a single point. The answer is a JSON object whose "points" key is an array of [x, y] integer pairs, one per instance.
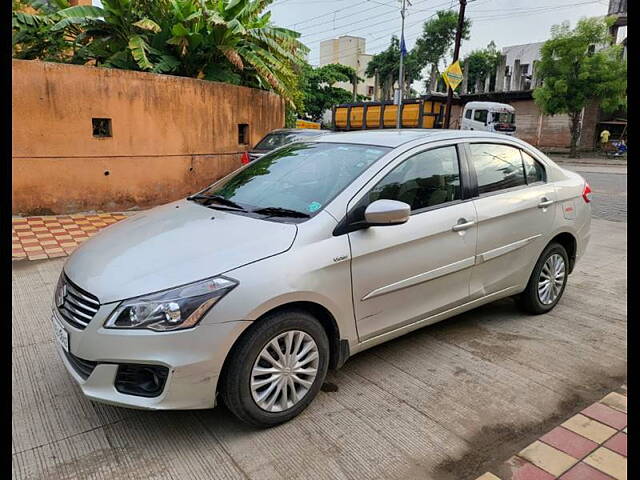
{"points": [[489, 117]]}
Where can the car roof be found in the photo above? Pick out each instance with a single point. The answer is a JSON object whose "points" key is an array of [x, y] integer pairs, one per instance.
{"points": [[394, 138], [489, 105]]}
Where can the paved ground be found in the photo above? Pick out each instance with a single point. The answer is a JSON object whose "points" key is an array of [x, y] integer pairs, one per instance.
{"points": [[38, 238], [450, 401], [591, 445]]}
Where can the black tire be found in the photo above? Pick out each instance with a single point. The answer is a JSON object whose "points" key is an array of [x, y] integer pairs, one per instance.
{"points": [[236, 381], [529, 300]]}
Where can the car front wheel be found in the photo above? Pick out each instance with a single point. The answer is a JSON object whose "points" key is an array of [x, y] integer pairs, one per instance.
{"points": [[276, 369]]}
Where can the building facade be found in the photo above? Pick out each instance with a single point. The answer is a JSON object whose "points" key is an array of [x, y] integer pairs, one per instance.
{"points": [[350, 51]]}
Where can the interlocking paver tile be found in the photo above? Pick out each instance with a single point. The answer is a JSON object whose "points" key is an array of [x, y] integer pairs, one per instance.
{"points": [[609, 462], [618, 443], [569, 442], [487, 476], [582, 471], [615, 400], [59, 235], [523, 470], [591, 429], [548, 458], [607, 415]]}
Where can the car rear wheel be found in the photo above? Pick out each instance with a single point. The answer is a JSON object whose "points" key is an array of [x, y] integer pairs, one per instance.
{"points": [[547, 282], [276, 369]]}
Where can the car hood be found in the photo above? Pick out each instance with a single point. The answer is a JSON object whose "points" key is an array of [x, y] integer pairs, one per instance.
{"points": [[172, 245]]}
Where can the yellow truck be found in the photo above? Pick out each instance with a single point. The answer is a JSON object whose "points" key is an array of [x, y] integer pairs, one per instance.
{"points": [[424, 112]]}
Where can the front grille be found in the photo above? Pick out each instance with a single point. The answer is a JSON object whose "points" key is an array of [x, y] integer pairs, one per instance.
{"points": [[84, 368], [75, 305]]}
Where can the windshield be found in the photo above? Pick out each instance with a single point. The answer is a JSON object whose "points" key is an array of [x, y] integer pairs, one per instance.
{"points": [[302, 177], [504, 117], [275, 140]]}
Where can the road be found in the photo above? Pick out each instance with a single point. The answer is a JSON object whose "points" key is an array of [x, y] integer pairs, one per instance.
{"points": [[609, 187], [449, 401]]}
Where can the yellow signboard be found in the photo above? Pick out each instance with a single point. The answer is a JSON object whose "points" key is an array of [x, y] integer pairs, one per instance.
{"points": [[453, 75], [306, 124]]}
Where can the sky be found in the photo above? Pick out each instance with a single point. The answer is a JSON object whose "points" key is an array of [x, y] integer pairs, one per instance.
{"points": [[506, 22]]}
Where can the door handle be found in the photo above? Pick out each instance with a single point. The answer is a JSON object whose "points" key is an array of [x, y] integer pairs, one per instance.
{"points": [[462, 225], [545, 202]]}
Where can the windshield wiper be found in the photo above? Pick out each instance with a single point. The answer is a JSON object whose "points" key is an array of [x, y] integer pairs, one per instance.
{"points": [[218, 199], [280, 212]]}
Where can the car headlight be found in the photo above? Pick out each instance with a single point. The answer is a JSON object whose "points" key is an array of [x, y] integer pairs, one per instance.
{"points": [[175, 309]]}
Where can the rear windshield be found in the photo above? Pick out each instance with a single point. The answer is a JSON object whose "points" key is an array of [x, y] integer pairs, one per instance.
{"points": [[275, 140]]}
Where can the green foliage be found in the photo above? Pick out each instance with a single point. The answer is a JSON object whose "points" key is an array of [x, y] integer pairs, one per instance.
{"points": [[318, 92], [438, 36], [437, 40], [221, 40], [387, 64], [481, 63], [578, 66], [435, 43]]}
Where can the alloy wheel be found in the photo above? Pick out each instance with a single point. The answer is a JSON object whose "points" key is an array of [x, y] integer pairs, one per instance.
{"points": [[284, 371], [551, 279]]}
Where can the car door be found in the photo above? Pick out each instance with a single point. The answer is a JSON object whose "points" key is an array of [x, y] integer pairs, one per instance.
{"points": [[405, 273], [515, 211]]}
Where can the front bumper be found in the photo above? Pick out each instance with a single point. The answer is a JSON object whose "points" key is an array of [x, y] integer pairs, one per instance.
{"points": [[194, 358]]}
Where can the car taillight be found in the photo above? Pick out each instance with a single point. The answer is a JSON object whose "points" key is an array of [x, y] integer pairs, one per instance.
{"points": [[586, 193], [245, 158]]}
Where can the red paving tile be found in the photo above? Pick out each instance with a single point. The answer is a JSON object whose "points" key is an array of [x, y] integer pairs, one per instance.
{"points": [[582, 471], [618, 443], [523, 470], [38, 238], [606, 415], [562, 439], [569, 442]]}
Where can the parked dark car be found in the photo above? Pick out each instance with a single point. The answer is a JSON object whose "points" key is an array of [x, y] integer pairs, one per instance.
{"points": [[280, 137]]}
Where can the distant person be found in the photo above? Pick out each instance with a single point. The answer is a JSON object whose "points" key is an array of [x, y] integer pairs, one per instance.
{"points": [[604, 138]]}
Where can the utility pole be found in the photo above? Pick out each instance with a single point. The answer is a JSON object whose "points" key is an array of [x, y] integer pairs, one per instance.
{"points": [[401, 72], [456, 52]]}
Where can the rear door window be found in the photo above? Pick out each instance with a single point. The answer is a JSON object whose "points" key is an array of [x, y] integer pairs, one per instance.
{"points": [[534, 170], [497, 167]]}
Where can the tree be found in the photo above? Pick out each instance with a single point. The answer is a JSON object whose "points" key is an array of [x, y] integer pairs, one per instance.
{"points": [[222, 40], [387, 66], [318, 91], [479, 64], [32, 34], [579, 66], [436, 41]]}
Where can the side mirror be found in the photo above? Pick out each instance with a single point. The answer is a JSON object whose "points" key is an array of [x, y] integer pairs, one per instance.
{"points": [[387, 212]]}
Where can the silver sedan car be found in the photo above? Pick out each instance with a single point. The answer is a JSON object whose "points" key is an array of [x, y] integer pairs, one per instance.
{"points": [[248, 291]]}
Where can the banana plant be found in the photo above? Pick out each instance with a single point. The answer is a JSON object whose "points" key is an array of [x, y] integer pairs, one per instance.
{"points": [[221, 40]]}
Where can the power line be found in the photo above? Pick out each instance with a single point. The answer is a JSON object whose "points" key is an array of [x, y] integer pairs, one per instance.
{"points": [[385, 21], [389, 30], [302, 22], [340, 26]]}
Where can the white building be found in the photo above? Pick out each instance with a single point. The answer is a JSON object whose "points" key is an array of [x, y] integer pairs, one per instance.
{"points": [[349, 51], [518, 62]]}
